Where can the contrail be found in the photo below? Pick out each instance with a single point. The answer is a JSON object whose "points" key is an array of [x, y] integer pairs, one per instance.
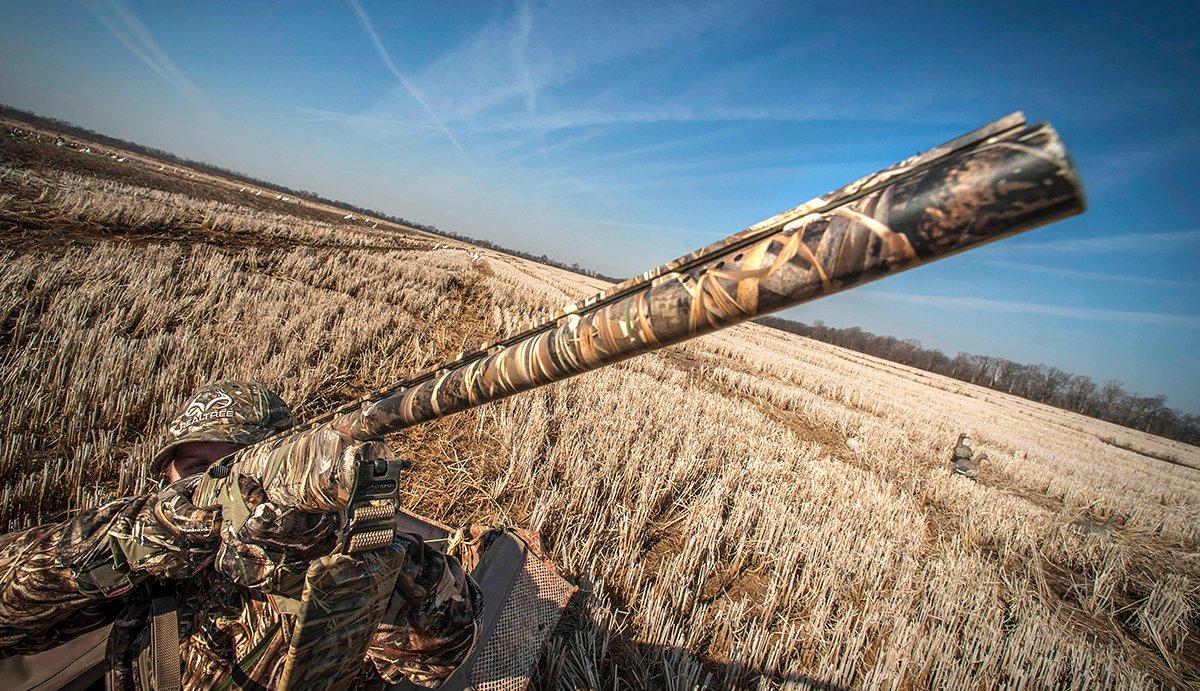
{"points": [[124, 25], [387, 60]]}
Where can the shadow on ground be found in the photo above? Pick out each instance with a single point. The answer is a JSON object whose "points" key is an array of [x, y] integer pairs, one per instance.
{"points": [[621, 662]]}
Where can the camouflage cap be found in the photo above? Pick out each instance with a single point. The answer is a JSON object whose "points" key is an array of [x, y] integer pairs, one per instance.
{"points": [[236, 412]]}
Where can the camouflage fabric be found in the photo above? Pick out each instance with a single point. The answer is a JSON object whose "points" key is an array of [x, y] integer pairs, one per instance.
{"points": [[310, 469], [228, 411], [233, 590], [422, 638], [272, 549]]}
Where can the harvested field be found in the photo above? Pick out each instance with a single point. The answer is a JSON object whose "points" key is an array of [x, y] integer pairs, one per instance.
{"points": [[752, 509]]}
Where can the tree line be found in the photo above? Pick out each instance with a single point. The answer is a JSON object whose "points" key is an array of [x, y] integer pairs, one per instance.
{"points": [[1107, 400]]}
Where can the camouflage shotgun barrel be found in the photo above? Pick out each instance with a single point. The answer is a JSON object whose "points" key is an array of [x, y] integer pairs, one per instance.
{"points": [[991, 183]]}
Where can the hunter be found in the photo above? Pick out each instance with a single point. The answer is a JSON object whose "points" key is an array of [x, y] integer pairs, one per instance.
{"points": [[139, 559]]}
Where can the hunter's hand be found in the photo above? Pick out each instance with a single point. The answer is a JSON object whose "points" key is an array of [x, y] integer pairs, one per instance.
{"points": [[162, 535], [272, 547], [312, 470]]}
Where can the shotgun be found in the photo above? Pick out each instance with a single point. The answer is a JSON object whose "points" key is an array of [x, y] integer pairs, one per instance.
{"points": [[1004, 178]]}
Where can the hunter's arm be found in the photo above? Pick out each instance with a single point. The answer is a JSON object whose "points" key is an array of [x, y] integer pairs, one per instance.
{"points": [[40, 598], [65, 578]]}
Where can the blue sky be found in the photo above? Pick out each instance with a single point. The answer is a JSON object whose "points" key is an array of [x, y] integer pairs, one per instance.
{"points": [[620, 136]]}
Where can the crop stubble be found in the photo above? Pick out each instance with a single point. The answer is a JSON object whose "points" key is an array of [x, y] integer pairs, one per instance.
{"points": [[751, 509]]}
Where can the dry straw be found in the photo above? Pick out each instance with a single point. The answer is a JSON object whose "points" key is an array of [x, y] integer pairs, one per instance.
{"points": [[752, 509]]}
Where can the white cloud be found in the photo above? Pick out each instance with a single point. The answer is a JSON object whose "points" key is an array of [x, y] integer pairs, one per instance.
{"points": [[375, 124], [1173, 241], [984, 305], [1092, 275], [1118, 166], [411, 88], [520, 50], [501, 70]]}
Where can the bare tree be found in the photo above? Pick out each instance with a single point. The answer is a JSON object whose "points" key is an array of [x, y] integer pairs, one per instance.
{"points": [[1045, 383]]}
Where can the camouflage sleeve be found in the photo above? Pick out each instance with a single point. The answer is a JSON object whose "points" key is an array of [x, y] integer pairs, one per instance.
{"points": [[40, 597], [430, 625], [61, 579], [272, 549]]}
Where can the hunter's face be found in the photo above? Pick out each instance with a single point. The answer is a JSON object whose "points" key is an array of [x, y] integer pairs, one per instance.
{"points": [[195, 457]]}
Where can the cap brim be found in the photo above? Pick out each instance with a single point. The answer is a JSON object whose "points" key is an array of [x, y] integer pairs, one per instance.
{"points": [[229, 434]]}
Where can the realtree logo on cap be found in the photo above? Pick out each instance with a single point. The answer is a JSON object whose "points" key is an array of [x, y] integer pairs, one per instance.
{"points": [[200, 411]]}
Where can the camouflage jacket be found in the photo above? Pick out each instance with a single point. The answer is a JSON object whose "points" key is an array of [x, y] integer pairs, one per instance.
{"points": [[104, 565]]}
